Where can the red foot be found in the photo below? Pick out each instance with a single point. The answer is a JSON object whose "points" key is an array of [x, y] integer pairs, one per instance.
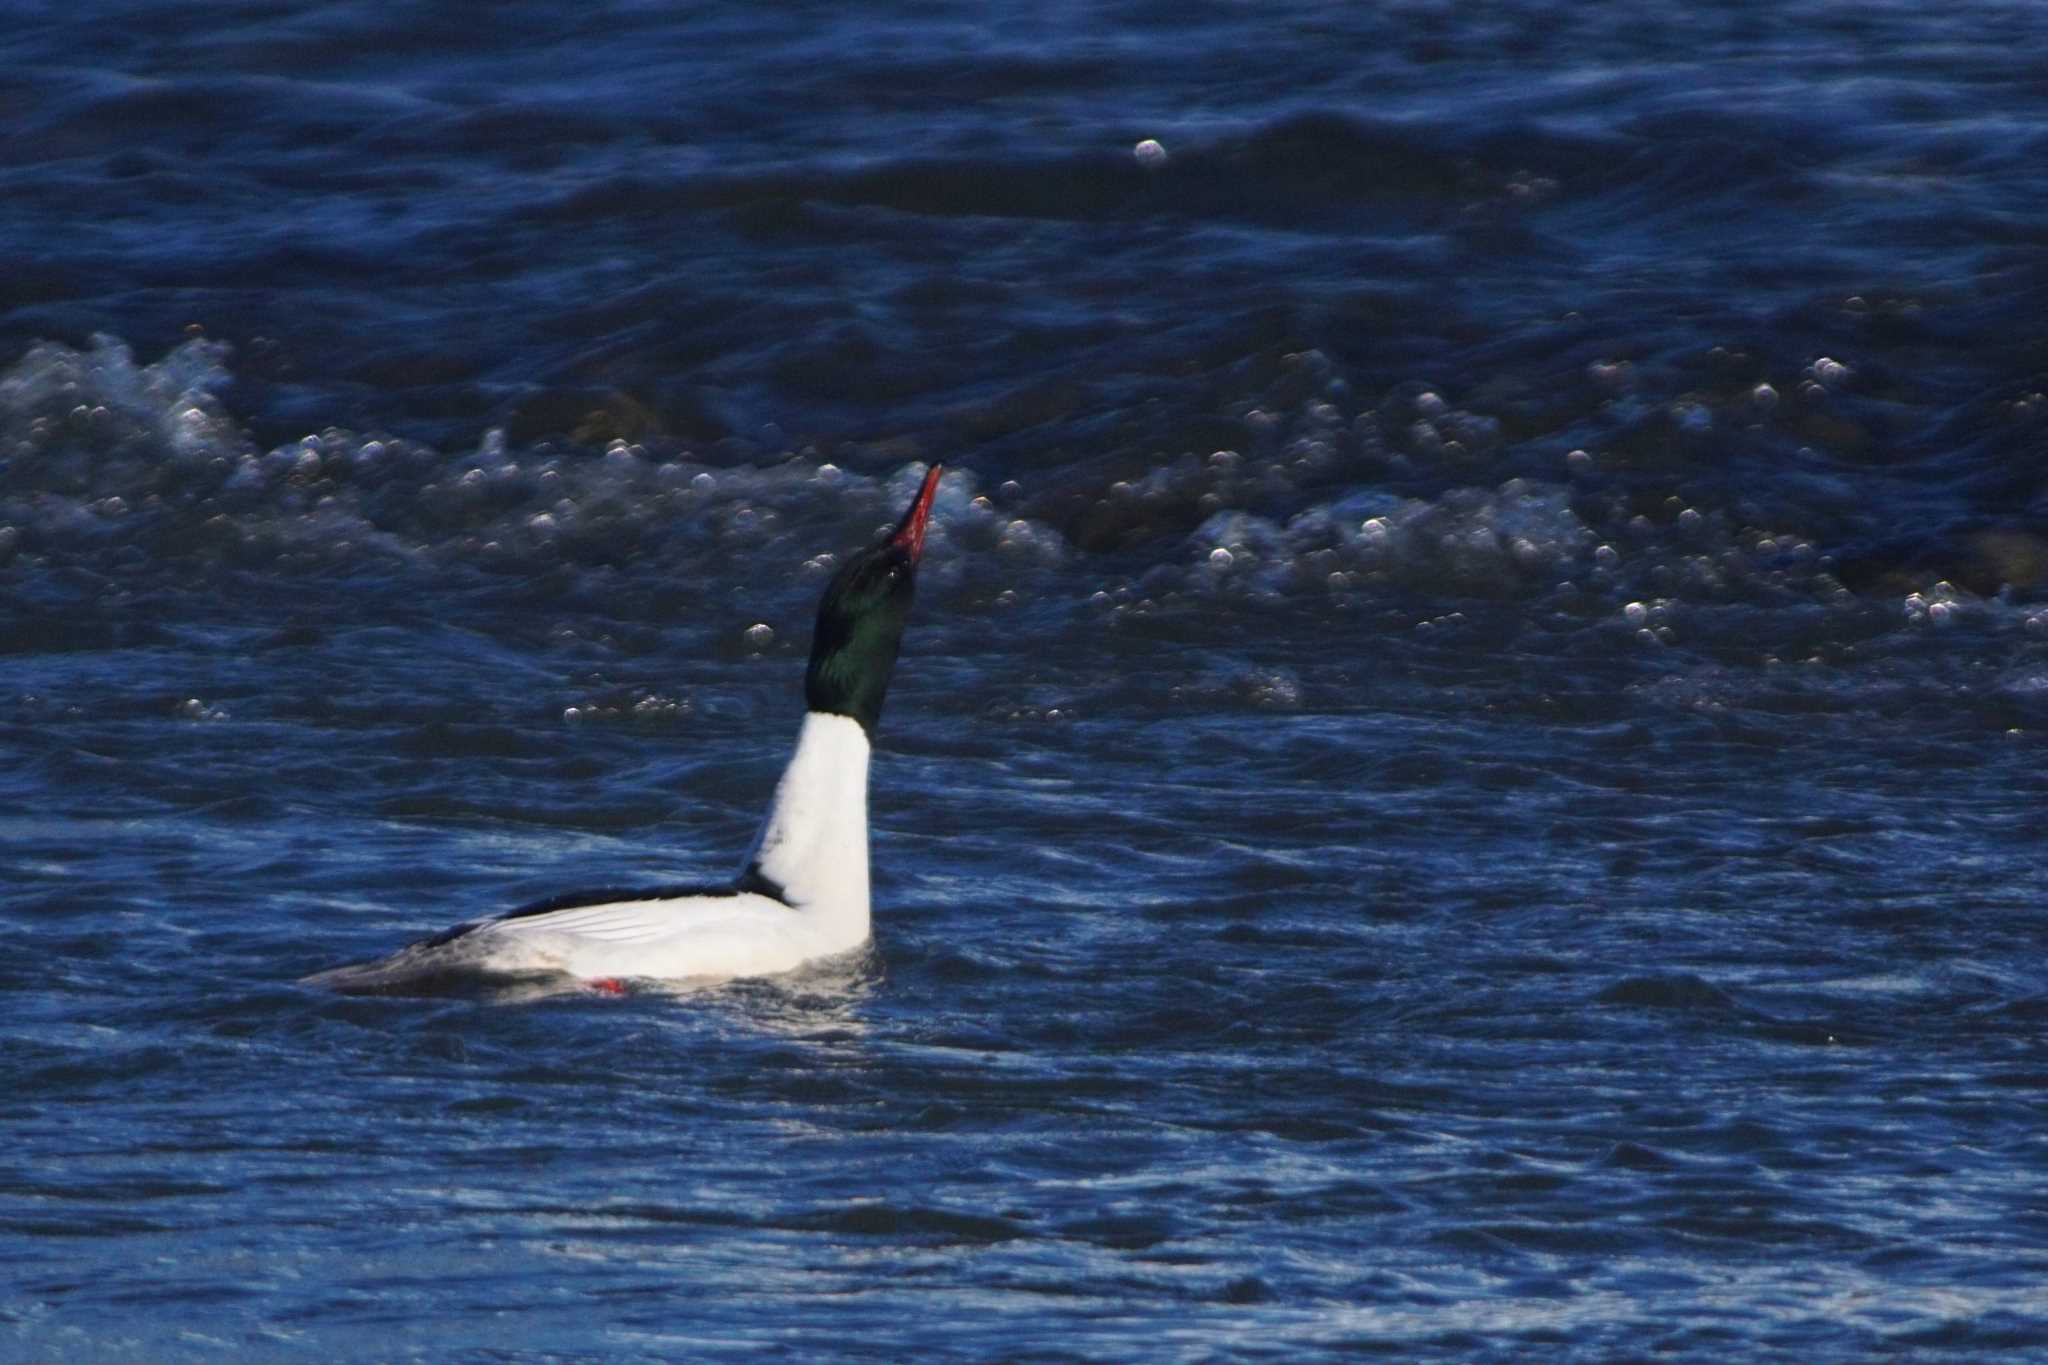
{"points": [[608, 985]]}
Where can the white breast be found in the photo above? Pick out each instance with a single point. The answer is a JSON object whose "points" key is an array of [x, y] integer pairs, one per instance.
{"points": [[814, 842]]}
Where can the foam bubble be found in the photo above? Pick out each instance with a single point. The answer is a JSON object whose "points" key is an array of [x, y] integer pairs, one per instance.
{"points": [[56, 402], [90, 438], [1476, 540]]}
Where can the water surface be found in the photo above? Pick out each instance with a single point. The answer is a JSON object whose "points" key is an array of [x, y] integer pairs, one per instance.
{"points": [[1465, 781]]}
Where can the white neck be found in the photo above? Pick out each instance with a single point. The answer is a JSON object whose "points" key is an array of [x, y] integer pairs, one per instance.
{"points": [[814, 843]]}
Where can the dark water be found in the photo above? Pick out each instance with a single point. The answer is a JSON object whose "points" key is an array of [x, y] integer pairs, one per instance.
{"points": [[1466, 782]]}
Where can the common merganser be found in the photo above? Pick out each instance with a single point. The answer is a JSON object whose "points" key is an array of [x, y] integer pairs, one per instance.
{"points": [[802, 893]]}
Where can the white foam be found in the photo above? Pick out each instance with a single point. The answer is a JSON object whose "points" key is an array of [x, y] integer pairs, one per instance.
{"points": [[61, 403], [1472, 539], [90, 436]]}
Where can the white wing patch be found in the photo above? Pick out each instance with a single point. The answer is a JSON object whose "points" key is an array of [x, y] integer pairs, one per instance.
{"points": [[616, 922], [681, 937]]}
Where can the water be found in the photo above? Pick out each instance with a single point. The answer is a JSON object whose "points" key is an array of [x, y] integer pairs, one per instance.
{"points": [[1466, 775]]}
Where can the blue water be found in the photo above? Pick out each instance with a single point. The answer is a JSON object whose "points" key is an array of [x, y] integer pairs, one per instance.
{"points": [[1466, 781]]}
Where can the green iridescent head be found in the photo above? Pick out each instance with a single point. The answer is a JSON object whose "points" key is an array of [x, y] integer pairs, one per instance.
{"points": [[860, 620]]}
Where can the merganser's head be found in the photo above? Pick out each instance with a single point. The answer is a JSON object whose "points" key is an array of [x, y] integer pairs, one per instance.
{"points": [[860, 620]]}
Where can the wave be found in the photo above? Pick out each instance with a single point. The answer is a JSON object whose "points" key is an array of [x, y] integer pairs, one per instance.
{"points": [[1305, 170], [143, 472]]}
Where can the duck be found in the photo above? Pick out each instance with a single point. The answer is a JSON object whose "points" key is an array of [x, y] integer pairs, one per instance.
{"points": [[802, 891]]}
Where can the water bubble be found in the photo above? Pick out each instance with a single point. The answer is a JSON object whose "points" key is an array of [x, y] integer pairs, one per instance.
{"points": [[703, 483], [1220, 558], [1636, 613], [1277, 691], [1578, 461], [1764, 397], [1606, 556], [1149, 154], [759, 636], [1431, 404], [1830, 371]]}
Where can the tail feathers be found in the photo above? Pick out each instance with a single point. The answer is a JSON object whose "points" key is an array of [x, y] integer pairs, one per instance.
{"points": [[446, 964]]}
